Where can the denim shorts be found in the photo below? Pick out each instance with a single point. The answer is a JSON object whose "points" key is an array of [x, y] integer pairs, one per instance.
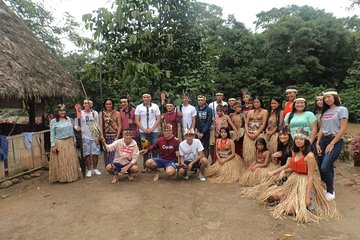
{"points": [[118, 166], [163, 163]]}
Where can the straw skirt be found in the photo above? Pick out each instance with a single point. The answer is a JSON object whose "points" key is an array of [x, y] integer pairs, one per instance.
{"points": [[252, 178], [272, 143], [293, 202], [64, 166], [229, 172]]}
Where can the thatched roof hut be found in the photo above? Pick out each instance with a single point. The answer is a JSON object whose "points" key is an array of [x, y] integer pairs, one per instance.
{"points": [[27, 69]]}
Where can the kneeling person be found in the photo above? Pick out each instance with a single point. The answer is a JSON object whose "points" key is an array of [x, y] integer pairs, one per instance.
{"points": [[192, 155], [126, 156], [167, 145]]}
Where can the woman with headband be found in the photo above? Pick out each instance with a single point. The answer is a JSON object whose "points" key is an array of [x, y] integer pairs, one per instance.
{"points": [[302, 194], [64, 164], [334, 120], [300, 118]]}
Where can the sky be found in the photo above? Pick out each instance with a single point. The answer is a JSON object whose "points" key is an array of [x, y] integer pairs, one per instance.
{"points": [[244, 11]]}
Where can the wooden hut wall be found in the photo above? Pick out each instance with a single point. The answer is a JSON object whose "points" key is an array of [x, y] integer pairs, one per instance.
{"points": [[21, 159]]}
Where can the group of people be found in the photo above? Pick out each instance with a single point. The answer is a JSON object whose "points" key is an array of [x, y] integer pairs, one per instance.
{"points": [[276, 153]]}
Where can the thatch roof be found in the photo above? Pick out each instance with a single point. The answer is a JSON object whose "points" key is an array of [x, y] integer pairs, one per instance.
{"points": [[27, 68]]}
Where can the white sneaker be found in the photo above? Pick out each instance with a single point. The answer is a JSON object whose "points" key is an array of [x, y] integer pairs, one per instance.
{"points": [[201, 177], [89, 173], [330, 196], [97, 172], [186, 177]]}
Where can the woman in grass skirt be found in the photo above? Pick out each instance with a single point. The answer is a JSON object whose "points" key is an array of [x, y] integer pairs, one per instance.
{"points": [[229, 166], [275, 119], [255, 124], [64, 164], [302, 195]]}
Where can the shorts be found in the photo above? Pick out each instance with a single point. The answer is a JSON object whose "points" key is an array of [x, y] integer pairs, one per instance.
{"points": [[195, 166], [163, 163], [118, 166], [90, 147]]}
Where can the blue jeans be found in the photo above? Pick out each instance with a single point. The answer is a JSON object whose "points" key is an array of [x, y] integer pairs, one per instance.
{"points": [[152, 137], [326, 161]]}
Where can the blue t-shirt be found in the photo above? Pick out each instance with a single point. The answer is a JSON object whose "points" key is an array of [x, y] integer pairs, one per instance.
{"points": [[303, 120]]}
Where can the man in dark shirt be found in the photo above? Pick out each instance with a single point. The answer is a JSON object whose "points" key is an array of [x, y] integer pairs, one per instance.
{"points": [[168, 147], [203, 123]]}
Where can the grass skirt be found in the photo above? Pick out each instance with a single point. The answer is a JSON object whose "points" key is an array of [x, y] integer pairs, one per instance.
{"points": [[255, 191], [249, 149], [252, 178], [229, 172], [64, 166], [294, 200], [272, 144]]}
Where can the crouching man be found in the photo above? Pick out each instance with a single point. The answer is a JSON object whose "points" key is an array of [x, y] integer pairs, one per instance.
{"points": [[167, 145], [192, 155], [126, 155]]}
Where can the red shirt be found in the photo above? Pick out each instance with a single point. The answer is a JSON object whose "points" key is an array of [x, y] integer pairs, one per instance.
{"points": [[125, 115], [173, 119], [167, 148], [288, 107], [299, 166]]}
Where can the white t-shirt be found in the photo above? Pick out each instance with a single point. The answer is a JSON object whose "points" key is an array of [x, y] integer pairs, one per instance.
{"points": [[87, 119], [213, 106], [331, 119], [190, 152], [188, 112], [147, 115]]}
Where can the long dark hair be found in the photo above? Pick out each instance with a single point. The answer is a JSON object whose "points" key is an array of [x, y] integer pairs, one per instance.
{"points": [[112, 102], [317, 109], [262, 141], [336, 101], [277, 111], [226, 130], [260, 100], [288, 145], [294, 110], [305, 149]]}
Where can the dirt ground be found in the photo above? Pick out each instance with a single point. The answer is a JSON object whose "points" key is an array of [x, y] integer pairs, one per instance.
{"points": [[167, 209]]}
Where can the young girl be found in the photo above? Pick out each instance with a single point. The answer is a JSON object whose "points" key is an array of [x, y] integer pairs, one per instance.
{"points": [[259, 168], [334, 120], [229, 167], [302, 194]]}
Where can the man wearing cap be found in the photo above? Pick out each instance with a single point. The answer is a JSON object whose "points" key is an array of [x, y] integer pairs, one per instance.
{"points": [[187, 113], [167, 145], [291, 93], [203, 123], [126, 156], [147, 118], [91, 147], [192, 155]]}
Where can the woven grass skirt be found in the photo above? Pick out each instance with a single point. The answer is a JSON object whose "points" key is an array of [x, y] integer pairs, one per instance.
{"points": [[272, 144], [293, 202], [249, 149], [252, 178], [64, 166], [229, 172]]}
